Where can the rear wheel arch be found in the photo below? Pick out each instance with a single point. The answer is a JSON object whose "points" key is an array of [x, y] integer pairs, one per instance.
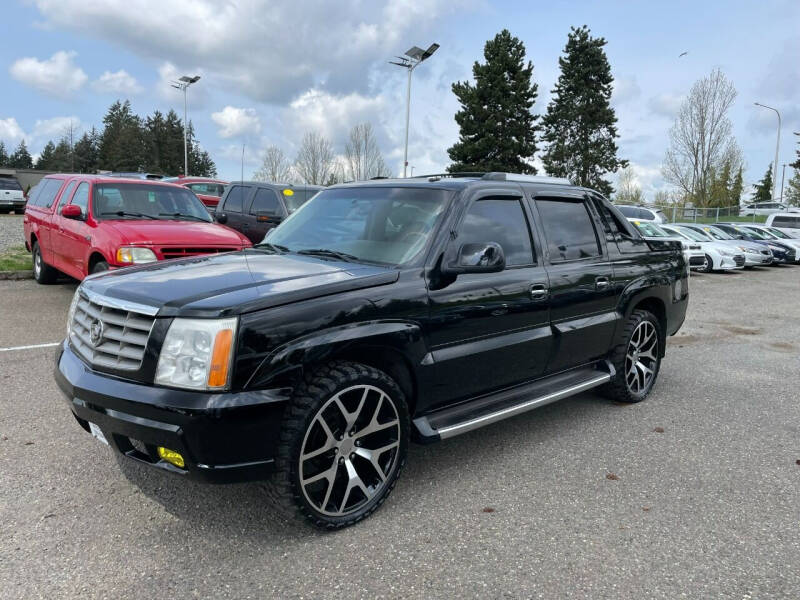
{"points": [[657, 307]]}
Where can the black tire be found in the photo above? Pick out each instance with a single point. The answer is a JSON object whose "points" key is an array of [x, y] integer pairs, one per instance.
{"points": [[42, 272], [99, 267], [312, 404], [709, 265], [619, 388]]}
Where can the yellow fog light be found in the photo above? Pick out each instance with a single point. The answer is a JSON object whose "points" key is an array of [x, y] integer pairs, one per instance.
{"points": [[171, 456]]}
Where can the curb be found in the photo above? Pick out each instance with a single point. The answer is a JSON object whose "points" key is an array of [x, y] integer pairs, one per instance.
{"points": [[15, 275]]}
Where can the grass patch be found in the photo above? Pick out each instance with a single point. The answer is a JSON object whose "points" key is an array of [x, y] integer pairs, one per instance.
{"points": [[15, 258]]}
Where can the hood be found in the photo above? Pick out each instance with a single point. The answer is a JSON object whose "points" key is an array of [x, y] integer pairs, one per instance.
{"points": [[175, 233], [235, 283]]}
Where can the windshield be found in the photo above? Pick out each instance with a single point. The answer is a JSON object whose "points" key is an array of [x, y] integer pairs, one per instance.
{"points": [[717, 233], [779, 234], [649, 229], [750, 232], [388, 225], [145, 201], [692, 234], [297, 198], [675, 232], [766, 234]]}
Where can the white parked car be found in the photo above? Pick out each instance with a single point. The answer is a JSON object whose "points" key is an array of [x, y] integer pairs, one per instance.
{"points": [[642, 213], [716, 255], [11, 195], [788, 222], [762, 208], [755, 255], [692, 253]]}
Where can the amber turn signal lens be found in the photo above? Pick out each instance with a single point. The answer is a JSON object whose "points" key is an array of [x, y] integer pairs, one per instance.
{"points": [[220, 357], [171, 456]]}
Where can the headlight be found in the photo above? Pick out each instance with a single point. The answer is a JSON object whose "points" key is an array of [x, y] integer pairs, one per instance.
{"points": [[71, 312], [197, 354], [132, 255], [725, 252], [776, 249], [748, 250]]}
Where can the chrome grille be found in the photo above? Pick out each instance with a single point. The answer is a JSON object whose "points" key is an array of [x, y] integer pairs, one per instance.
{"points": [[766, 252], [123, 335]]}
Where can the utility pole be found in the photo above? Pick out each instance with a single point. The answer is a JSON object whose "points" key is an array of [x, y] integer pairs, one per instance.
{"points": [[182, 84], [414, 56], [777, 147]]}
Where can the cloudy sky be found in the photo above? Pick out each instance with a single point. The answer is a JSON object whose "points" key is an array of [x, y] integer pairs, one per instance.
{"points": [[273, 70]]}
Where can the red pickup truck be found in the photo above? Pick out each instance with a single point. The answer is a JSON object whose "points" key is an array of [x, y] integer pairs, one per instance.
{"points": [[208, 190], [84, 224]]}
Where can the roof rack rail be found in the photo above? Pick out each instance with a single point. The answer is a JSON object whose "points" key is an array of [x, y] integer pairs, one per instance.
{"points": [[438, 176], [500, 176]]}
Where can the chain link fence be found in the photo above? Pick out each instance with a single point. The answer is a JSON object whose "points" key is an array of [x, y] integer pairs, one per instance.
{"points": [[696, 214]]}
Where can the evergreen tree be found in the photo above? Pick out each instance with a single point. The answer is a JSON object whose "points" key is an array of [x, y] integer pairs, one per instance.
{"points": [[497, 127], [45, 160], [792, 193], [735, 192], [796, 163], [122, 144], [86, 152], [721, 186], [763, 191], [3, 155], [62, 156], [21, 158], [580, 125], [200, 163]]}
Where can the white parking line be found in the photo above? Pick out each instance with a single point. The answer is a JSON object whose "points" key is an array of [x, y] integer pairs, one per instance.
{"points": [[47, 345]]}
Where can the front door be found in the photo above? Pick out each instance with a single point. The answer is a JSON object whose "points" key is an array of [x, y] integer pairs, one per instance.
{"points": [[75, 235], [266, 212], [235, 207], [583, 297], [491, 330]]}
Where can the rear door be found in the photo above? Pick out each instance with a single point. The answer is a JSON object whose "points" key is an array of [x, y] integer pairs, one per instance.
{"points": [[43, 215], [235, 204], [583, 297], [491, 330], [265, 213]]}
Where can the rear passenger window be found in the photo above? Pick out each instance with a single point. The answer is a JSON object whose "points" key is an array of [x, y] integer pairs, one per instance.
{"points": [[50, 188], [235, 199], [81, 197], [502, 221], [62, 199], [569, 229], [265, 202]]}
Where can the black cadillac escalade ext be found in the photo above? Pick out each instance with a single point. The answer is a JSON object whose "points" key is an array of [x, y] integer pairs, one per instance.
{"points": [[378, 313]]}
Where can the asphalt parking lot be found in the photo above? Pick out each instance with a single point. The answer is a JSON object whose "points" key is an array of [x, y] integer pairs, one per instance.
{"points": [[692, 493]]}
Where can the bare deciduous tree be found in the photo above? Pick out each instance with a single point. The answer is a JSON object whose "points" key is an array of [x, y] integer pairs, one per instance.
{"points": [[701, 139], [362, 156], [275, 167], [315, 159], [628, 190]]}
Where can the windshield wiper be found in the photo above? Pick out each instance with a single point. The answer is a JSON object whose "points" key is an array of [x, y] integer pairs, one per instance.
{"points": [[183, 215], [125, 213], [329, 253], [273, 247]]}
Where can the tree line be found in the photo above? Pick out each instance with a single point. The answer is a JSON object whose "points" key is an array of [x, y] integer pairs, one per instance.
{"points": [[127, 142]]}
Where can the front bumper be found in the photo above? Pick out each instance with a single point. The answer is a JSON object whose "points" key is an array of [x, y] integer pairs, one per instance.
{"points": [[757, 260], [223, 437]]}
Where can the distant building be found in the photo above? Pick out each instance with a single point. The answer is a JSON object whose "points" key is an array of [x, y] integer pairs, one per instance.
{"points": [[27, 178]]}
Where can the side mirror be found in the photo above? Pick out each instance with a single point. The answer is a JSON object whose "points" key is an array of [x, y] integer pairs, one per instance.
{"points": [[487, 257], [221, 218], [263, 217], [70, 211]]}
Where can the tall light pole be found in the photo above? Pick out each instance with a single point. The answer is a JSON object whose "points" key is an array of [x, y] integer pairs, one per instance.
{"points": [[783, 176], [777, 147], [414, 56], [184, 82]]}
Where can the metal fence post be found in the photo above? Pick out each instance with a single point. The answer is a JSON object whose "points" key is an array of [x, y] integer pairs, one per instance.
{"points": [[716, 219]]}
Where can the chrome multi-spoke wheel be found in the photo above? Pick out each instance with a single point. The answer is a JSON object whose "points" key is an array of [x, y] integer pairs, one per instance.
{"points": [[641, 357], [349, 450]]}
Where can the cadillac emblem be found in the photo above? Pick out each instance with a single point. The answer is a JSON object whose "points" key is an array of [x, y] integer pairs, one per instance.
{"points": [[96, 332]]}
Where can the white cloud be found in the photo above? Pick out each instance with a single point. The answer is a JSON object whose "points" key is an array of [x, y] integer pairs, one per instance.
{"points": [[625, 89], [10, 130], [58, 75], [55, 128], [119, 82], [665, 105], [269, 51], [332, 115], [234, 121]]}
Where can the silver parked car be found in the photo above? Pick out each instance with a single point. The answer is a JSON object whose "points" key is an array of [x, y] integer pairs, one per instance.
{"points": [[692, 253], [716, 255], [777, 235], [755, 255]]}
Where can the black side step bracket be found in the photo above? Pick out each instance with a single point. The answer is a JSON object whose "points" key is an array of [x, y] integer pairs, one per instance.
{"points": [[485, 410]]}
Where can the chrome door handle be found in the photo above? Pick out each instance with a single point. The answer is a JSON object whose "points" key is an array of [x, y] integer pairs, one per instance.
{"points": [[601, 283], [538, 291]]}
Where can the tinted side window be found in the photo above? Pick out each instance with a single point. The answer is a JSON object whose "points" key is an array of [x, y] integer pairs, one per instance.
{"points": [[50, 188], [62, 199], [790, 222], [81, 197], [236, 197], [569, 229], [265, 201], [502, 221]]}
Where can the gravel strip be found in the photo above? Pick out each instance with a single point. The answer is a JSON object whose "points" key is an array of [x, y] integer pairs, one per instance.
{"points": [[11, 231]]}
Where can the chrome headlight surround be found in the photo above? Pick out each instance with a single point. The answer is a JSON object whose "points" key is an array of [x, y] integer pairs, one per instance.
{"points": [[71, 314], [197, 354]]}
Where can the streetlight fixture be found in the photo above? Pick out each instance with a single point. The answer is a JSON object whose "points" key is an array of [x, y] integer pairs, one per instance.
{"points": [[414, 56], [184, 82], [777, 147]]}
